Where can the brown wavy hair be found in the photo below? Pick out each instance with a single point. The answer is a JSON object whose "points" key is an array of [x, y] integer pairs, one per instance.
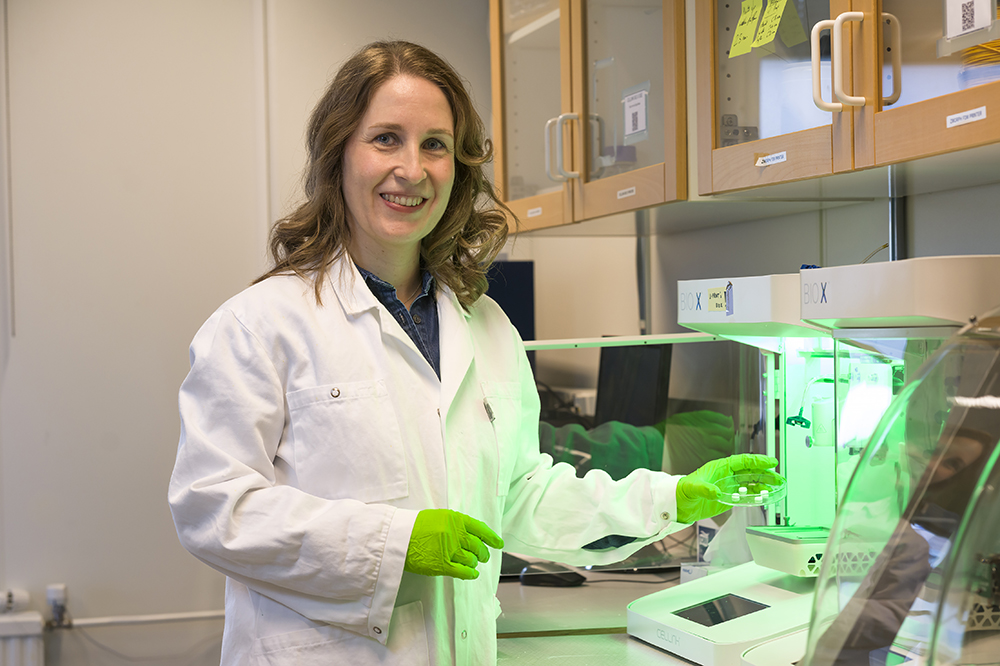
{"points": [[473, 228]]}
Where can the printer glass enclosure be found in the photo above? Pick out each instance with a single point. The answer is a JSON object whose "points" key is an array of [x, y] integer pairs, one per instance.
{"points": [[911, 573]]}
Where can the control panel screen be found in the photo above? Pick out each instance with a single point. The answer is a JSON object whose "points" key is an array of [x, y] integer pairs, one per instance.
{"points": [[719, 610]]}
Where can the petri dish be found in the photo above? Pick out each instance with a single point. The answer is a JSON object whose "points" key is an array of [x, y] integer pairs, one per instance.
{"points": [[750, 489]]}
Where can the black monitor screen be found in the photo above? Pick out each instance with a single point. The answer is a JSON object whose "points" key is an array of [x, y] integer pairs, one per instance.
{"points": [[719, 610], [632, 384]]}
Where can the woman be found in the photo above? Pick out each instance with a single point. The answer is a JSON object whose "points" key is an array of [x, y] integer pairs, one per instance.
{"points": [[360, 426]]}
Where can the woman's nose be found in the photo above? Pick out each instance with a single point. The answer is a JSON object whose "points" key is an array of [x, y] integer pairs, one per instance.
{"points": [[411, 165]]}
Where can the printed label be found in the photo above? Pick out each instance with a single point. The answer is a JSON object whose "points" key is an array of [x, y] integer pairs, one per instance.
{"points": [[534, 212], [628, 192], [635, 113], [964, 16], [966, 117], [768, 160]]}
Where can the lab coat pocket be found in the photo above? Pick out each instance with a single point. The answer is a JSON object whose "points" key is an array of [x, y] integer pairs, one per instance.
{"points": [[502, 401], [346, 442], [325, 645]]}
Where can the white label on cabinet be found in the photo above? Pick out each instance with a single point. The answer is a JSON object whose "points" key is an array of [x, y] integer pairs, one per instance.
{"points": [[534, 212], [966, 117], [964, 16], [774, 158], [635, 113], [627, 192]]}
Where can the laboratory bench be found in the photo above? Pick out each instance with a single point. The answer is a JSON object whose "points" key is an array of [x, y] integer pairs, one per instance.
{"points": [[583, 625]]}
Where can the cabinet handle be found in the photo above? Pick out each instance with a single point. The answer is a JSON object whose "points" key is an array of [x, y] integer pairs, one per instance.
{"points": [[896, 56], [821, 104], [548, 151], [560, 121], [838, 55]]}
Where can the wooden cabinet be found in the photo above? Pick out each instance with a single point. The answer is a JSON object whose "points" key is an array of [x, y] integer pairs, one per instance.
{"points": [[906, 91], [948, 89], [757, 123], [588, 106]]}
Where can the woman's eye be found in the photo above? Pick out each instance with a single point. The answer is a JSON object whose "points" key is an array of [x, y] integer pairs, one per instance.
{"points": [[384, 139], [436, 144]]}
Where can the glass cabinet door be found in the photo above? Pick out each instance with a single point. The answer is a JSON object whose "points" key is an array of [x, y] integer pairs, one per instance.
{"points": [[759, 97], [531, 97], [936, 65], [628, 85]]}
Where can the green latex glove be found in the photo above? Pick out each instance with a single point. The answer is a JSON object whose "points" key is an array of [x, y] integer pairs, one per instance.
{"points": [[449, 543], [697, 494]]}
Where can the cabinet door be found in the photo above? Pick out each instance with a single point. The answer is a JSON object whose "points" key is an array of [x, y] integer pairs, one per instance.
{"points": [[757, 120], [530, 58], [629, 98], [945, 85]]}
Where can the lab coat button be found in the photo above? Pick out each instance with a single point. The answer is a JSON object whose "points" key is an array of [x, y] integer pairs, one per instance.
{"points": [[465, 634], [665, 516], [377, 630], [335, 392]]}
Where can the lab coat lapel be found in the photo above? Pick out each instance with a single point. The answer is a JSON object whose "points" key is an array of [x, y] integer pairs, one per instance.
{"points": [[456, 346], [356, 298]]}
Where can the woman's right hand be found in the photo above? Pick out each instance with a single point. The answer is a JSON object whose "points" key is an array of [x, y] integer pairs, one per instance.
{"points": [[449, 543]]}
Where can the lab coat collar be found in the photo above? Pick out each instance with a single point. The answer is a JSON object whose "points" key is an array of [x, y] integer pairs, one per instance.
{"points": [[345, 281], [347, 285]]}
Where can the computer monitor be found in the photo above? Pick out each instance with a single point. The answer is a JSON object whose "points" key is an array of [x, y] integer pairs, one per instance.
{"points": [[512, 286], [632, 384]]}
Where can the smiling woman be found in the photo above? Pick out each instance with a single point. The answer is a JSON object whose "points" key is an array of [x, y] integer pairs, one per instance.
{"points": [[360, 426]]}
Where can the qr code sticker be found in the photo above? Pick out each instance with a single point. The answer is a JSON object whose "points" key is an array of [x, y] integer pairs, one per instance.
{"points": [[968, 15]]}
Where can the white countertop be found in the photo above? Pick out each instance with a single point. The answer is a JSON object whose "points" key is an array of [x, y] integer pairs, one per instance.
{"points": [[582, 626], [598, 604], [588, 650]]}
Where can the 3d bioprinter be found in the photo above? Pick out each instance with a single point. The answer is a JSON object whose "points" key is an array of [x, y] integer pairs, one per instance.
{"points": [[911, 573], [876, 400]]}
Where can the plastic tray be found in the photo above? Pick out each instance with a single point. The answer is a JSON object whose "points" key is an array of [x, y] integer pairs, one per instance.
{"points": [[748, 489]]}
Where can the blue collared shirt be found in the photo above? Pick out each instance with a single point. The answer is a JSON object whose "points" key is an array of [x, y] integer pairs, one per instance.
{"points": [[420, 322]]}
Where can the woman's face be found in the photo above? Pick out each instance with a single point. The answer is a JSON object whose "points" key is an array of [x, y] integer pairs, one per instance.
{"points": [[948, 461], [399, 167], [963, 452]]}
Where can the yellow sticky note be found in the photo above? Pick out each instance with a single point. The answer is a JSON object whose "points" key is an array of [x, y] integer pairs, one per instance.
{"points": [[769, 23], [745, 29], [791, 30], [716, 300]]}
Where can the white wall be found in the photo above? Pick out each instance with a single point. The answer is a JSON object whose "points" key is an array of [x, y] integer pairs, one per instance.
{"points": [[150, 148]]}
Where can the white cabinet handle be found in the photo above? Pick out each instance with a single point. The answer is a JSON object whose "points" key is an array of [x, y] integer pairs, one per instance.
{"points": [[548, 151], [560, 121], [896, 55], [838, 57], [818, 100]]}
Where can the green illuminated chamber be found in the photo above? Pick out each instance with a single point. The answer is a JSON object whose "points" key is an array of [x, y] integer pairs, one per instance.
{"points": [[911, 573]]}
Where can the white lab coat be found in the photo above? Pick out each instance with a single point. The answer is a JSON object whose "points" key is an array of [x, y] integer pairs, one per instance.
{"points": [[312, 435]]}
